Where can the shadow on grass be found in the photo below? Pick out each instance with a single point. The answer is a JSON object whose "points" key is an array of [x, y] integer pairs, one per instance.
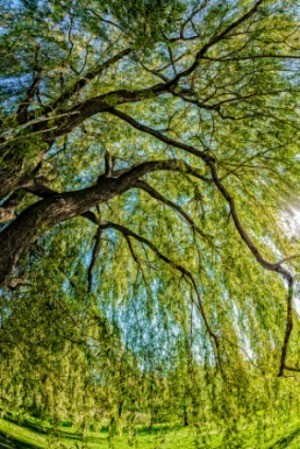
{"points": [[39, 429], [7, 442], [285, 441], [142, 430]]}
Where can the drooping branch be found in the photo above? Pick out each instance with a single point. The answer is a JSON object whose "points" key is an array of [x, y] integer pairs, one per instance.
{"points": [[155, 194], [211, 163], [176, 266], [56, 207], [95, 253], [276, 267]]}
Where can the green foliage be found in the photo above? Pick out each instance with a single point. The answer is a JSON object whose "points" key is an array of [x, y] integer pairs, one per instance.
{"points": [[145, 22], [125, 339]]}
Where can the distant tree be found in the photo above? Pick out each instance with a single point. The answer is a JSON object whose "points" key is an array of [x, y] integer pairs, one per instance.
{"points": [[149, 164]]}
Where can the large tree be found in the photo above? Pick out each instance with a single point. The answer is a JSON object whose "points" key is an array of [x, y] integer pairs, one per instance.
{"points": [[149, 158]]}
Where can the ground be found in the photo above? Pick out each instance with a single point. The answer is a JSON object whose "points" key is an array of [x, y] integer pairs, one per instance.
{"points": [[287, 435]]}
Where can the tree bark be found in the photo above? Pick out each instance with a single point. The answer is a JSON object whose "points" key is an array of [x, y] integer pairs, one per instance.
{"points": [[18, 237]]}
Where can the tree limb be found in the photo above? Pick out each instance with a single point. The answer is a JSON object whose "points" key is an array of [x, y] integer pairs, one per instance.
{"points": [[22, 112], [276, 267], [84, 81], [17, 238], [160, 136], [155, 194], [95, 253], [214, 40], [178, 267]]}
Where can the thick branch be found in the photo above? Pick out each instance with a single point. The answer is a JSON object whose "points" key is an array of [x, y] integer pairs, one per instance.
{"points": [[17, 238]]}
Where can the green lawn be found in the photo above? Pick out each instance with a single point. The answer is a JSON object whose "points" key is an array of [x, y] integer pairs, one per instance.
{"points": [[285, 436]]}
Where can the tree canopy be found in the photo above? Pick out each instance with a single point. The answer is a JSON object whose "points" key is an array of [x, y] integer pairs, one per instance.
{"points": [[149, 175]]}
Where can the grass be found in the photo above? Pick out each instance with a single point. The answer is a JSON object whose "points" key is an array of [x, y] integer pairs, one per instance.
{"points": [[286, 435]]}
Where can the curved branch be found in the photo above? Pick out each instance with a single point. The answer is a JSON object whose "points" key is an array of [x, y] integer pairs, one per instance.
{"points": [[178, 267], [210, 162], [214, 40], [155, 194], [160, 136], [276, 267]]}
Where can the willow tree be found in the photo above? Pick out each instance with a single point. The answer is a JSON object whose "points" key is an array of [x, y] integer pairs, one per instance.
{"points": [[149, 159]]}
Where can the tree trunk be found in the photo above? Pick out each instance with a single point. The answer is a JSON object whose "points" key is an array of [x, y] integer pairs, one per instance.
{"points": [[18, 237]]}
